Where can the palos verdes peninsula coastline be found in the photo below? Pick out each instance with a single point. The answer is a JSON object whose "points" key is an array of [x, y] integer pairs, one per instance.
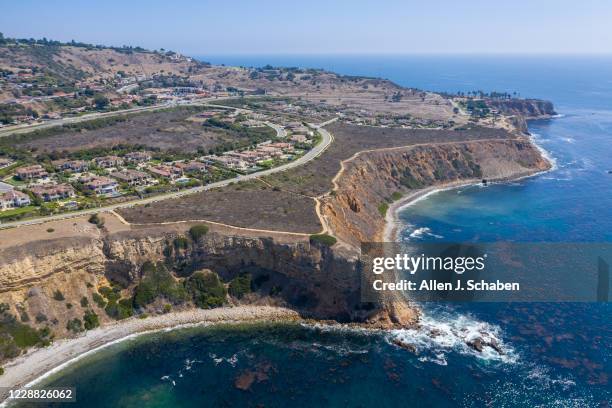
{"points": [[288, 239]]}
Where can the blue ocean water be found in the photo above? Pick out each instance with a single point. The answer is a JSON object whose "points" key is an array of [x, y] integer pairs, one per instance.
{"points": [[555, 354]]}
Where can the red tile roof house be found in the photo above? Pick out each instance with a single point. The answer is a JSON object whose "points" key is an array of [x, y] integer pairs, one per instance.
{"points": [[166, 171], [131, 177], [269, 151], [100, 185], [13, 199], [77, 166], [31, 172], [192, 167], [108, 161], [53, 192], [137, 157]]}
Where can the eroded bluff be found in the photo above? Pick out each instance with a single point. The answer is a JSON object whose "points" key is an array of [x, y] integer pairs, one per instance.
{"points": [[356, 210], [314, 279]]}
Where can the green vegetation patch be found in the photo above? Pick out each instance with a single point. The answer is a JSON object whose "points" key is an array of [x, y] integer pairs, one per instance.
{"points": [[324, 239], [206, 289], [16, 336], [156, 282], [240, 286], [383, 208], [90, 320], [198, 231], [396, 196]]}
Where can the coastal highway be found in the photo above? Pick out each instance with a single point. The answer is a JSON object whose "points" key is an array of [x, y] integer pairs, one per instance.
{"points": [[326, 140]]}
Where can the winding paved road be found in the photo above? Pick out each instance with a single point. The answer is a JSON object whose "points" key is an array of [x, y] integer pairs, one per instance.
{"points": [[327, 139]]}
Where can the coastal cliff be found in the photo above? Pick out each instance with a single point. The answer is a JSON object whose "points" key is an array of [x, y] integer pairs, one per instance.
{"points": [[526, 108], [51, 285], [356, 210], [318, 281]]}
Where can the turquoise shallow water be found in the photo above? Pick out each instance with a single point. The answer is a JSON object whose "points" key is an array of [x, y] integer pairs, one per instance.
{"points": [[555, 354]]}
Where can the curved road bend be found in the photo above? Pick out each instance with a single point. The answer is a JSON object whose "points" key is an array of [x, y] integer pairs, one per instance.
{"points": [[327, 139]]}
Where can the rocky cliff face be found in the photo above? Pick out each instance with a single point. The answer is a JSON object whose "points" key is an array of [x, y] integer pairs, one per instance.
{"points": [[525, 108], [316, 280], [356, 210]]}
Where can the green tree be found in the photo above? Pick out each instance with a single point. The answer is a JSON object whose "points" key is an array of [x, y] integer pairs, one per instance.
{"points": [[206, 289], [101, 101], [90, 319], [240, 286], [198, 231]]}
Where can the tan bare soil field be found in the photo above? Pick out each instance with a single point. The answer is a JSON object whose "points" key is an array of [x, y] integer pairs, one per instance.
{"points": [[250, 204]]}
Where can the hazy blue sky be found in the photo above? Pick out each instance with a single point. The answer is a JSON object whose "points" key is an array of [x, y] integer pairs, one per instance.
{"points": [[314, 26]]}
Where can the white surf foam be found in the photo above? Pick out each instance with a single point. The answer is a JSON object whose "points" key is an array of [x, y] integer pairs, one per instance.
{"points": [[444, 332], [423, 231]]}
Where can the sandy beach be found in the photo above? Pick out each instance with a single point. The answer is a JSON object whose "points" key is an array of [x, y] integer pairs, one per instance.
{"points": [[392, 222], [31, 367]]}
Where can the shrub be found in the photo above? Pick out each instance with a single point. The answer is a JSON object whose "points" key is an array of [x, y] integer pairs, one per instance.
{"points": [[90, 319], [157, 281], [167, 308], [206, 289], [198, 231], [111, 294], [40, 317], [50, 230], [240, 286], [1, 370], [324, 239], [99, 300], [58, 295], [181, 243], [96, 220], [119, 310], [382, 209], [84, 301], [396, 196], [75, 325], [68, 305], [23, 315]]}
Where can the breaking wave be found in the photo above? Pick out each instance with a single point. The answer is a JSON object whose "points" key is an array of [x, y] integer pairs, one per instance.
{"points": [[443, 332], [422, 232]]}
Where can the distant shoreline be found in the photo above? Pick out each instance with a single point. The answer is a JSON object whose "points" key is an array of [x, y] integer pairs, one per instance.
{"points": [[36, 365]]}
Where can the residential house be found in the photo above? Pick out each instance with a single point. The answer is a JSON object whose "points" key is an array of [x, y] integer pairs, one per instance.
{"points": [[170, 172], [53, 192], [137, 157], [299, 138], [106, 162], [13, 199], [282, 146], [192, 167], [76, 166], [100, 185], [31, 172], [269, 151], [232, 162], [131, 177]]}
